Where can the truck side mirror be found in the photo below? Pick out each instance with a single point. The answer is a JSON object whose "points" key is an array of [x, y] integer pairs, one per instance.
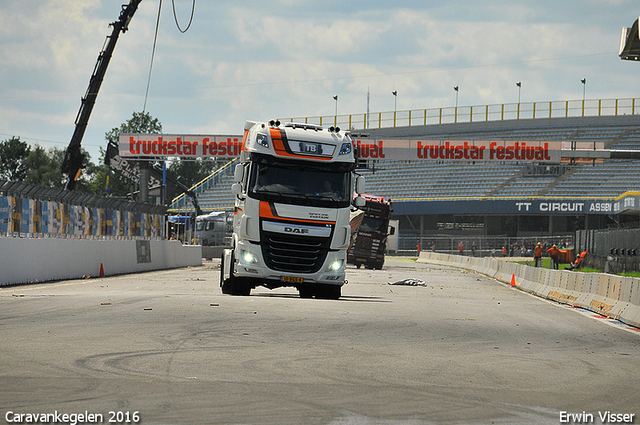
{"points": [[238, 173], [236, 188], [392, 230], [360, 185], [359, 201]]}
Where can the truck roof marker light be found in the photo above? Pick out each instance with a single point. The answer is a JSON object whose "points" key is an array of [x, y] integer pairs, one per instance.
{"points": [[275, 123], [333, 129], [304, 126]]}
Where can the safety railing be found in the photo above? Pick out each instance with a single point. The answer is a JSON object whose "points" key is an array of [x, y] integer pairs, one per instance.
{"points": [[495, 112], [181, 203]]}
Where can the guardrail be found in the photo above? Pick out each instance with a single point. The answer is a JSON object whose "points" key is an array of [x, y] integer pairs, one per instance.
{"points": [[494, 112], [612, 296]]}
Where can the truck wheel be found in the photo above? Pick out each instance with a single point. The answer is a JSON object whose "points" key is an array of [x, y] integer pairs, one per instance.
{"points": [[225, 285], [306, 291], [328, 292], [233, 285]]}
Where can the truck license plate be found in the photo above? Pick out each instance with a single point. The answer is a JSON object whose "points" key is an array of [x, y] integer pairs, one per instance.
{"points": [[291, 279]]}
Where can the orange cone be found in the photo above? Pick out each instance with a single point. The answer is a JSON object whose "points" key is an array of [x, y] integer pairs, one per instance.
{"points": [[101, 270], [513, 280]]}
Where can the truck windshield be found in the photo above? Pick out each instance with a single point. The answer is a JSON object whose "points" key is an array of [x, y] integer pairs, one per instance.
{"points": [[372, 224], [300, 185]]}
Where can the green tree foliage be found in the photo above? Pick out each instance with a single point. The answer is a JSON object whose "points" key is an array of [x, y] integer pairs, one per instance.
{"points": [[191, 172], [140, 122], [44, 167], [13, 154]]}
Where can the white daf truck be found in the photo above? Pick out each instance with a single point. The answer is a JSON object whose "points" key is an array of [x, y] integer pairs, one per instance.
{"points": [[294, 186]]}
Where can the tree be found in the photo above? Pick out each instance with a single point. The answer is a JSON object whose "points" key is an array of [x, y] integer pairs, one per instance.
{"points": [[13, 153], [191, 172], [43, 168], [140, 122]]}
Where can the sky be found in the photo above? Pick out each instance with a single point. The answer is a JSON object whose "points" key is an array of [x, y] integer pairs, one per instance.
{"points": [[261, 60]]}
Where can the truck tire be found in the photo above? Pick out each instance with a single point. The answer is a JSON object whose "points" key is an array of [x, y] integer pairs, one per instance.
{"points": [[226, 287], [233, 285], [306, 291], [328, 292]]}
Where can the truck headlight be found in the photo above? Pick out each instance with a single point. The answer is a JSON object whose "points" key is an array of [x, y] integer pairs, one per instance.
{"points": [[249, 257], [335, 266]]}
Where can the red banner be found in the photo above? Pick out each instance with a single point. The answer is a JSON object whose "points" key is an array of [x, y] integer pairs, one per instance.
{"points": [[210, 146]]}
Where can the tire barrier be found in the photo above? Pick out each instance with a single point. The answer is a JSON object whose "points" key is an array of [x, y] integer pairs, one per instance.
{"points": [[609, 295]]}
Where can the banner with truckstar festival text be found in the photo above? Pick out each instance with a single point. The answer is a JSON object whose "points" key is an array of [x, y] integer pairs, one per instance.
{"points": [[211, 146]]}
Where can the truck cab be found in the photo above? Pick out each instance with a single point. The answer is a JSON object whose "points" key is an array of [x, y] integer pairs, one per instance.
{"points": [[294, 187], [370, 243], [214, 229]]}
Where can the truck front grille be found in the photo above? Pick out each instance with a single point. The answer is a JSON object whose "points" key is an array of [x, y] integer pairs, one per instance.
{"points": [[294, 254]]}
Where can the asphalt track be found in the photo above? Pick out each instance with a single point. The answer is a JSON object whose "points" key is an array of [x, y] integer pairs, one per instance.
{"points": [[168, 347]]}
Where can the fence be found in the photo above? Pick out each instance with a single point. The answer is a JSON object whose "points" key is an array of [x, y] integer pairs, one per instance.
{"points": [[33, 211], [485, 246], [180, 203], [496, 112], [611, 250]]}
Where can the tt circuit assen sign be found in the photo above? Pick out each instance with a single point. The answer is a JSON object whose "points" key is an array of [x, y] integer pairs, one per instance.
{"points": [[209, 146]]}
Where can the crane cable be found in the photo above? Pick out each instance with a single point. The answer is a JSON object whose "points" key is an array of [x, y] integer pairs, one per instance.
{"points": [[175, 16], [155, 39]]}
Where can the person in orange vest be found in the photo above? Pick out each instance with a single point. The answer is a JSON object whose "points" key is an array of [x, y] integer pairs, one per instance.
{"points": [[461, 248], [554, 252], [537, 254]]}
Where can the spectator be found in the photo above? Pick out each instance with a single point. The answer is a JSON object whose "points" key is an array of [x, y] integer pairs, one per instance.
{"points": [[473, 249], [460, 248]]}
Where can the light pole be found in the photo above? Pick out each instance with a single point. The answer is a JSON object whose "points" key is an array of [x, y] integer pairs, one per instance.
{"points": [[519, 84], [455, 111], [336, 99], [395, 105], [584, 93]]}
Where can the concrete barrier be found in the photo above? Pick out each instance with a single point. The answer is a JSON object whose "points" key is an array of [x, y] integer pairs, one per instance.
{"points": [[29, 260], [608, 295]]}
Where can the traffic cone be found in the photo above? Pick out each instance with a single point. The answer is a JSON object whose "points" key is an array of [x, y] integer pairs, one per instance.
{"points": [[101, 270], [513, 280]]}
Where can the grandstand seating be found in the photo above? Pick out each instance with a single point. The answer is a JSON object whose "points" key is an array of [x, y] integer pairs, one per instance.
{"points": [[602, 179]]}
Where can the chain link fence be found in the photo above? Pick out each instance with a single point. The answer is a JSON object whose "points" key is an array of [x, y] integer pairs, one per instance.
{"points": [[481, 246]]}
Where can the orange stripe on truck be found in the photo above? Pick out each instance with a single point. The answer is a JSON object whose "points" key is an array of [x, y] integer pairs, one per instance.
{"points": [[267, 210]]}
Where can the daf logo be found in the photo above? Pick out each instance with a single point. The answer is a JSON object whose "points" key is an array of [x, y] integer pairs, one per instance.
{"points": [[295, 230]]}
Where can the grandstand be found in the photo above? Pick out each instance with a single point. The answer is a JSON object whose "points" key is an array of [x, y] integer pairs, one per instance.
{"points": [[431, 193]]}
